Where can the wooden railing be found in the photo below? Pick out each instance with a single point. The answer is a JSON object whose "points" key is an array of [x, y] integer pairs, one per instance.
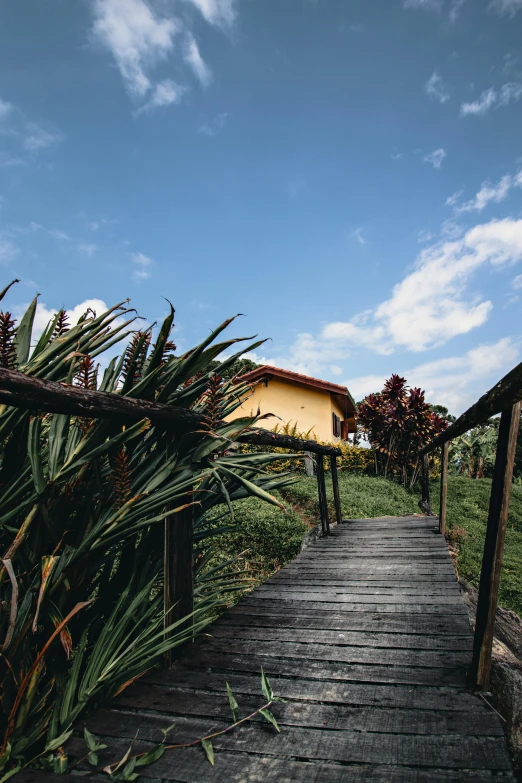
{"points": [[29, 393], [503, 398]]}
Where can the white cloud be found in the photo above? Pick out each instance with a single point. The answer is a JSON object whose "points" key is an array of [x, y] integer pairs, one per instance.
{"points": [[506, 7], [456, 381], [214, 126], [453, 199], [137, 38], [164, 93], [38, 138], [435, 158], [436, 89], [5, 109], [24, 135], [87, 249], [359, 236], [455, 9], [194, 59], [424, 236], [217, 12], [493, 98], [143, 264], [8, 251], [516, 283], [44, 314], [56, 233], [487, 194], [425, 5], [430, 306]]}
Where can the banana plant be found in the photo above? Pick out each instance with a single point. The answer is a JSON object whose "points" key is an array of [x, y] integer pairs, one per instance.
{"points": [[82, 506]]}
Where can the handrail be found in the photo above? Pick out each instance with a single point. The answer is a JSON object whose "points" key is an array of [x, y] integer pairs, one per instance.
{"points": [[502, 395], [504, 398], [26, 391]]}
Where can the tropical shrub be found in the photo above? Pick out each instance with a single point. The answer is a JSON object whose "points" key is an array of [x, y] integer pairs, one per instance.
{"points": [[353, 458], [398, 422], [473, 454], [82, 507]]}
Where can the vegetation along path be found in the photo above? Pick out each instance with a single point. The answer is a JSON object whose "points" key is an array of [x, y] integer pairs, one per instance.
{"points": [[366, 638]]}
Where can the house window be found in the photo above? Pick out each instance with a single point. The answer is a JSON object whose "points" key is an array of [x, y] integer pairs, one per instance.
{"points": [[336, 421]]}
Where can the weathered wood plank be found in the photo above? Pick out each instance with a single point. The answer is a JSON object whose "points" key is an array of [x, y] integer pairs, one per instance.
{"points": [[389, 656], [335, 717], [427, 625], [348, 638], [342, 746], [356, 672], [358, 606], [302, 688]]}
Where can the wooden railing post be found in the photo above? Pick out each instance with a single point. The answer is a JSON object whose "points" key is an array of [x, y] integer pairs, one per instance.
{"points": [[321, 487], [426, 505], [443, 487], [335, 485], [494, 547], [178, 587]]}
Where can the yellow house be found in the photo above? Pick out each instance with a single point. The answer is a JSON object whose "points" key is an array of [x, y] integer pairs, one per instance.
{"points": [[326, 408]]}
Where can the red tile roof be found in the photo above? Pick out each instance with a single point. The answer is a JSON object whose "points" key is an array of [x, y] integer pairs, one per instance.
{"points": [[267, 371]]}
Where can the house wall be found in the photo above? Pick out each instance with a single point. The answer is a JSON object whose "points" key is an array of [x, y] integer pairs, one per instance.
{"points": [[307, 406]]}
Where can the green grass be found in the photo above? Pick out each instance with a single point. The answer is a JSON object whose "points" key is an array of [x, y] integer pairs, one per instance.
{"points": [[264, 537], [468, 500]]}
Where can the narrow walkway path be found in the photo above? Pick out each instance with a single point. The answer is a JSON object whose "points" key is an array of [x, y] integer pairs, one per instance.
{"points": [[366, 637]]}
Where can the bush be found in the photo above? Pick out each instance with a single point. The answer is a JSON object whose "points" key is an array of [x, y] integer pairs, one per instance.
{"points": [[354, 458]]}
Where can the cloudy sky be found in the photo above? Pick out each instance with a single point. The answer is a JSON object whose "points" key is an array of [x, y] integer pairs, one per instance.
{"points": [[346, 173]]}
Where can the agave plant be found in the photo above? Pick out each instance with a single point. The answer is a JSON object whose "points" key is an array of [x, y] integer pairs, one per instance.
{"points": [[398, 422], [82, 504]]}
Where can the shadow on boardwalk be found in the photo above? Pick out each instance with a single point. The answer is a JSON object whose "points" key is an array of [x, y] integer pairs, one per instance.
{"points": [[366, 637]]}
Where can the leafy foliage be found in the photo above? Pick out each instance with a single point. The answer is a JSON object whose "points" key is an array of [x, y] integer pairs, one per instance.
{"points": [[398, 422], [473, 454], [82, 504], [353, 458]]}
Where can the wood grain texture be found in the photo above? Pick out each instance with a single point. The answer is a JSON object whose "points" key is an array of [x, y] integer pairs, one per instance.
{"points": [[369, 652]]}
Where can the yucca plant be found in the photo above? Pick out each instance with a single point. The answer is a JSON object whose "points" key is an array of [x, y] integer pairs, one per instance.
{"points": [[82, 502]]}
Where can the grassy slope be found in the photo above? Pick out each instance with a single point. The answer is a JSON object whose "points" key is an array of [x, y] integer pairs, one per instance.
{"points": [[365, 496]]}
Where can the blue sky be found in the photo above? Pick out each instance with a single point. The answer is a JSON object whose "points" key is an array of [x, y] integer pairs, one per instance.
{"points": [[347, 173]]}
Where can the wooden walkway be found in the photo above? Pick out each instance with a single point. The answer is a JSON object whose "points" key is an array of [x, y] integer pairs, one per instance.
{"points": [[366, 637]]}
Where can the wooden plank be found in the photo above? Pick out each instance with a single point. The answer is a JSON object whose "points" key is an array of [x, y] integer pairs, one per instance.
{"points": [[240, 767], [214, 708], [371, 747], [494, 546], [357, 672], [351, 638], [456, 609], [373, 586], [341, 597], [421, 625], [387, 656], [303, 688]]}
